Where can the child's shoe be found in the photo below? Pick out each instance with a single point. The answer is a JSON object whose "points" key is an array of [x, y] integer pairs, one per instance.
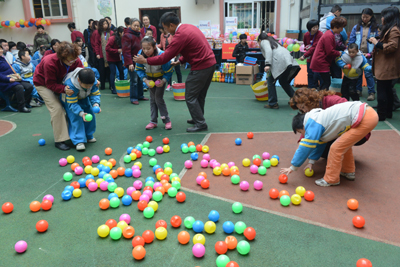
{"points": [[168, 88], [93, 140], [151, 126], [80, 147], [322, 182], [168, 126], [349, 175]]}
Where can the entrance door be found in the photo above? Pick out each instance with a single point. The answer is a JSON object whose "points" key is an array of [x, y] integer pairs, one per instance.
{"points": [[155, 15], [268, 16]]}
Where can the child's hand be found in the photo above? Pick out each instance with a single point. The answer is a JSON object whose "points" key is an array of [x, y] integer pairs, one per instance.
{"points": [[347, 66], [98, 84], [266, 83], [98, 56], [83, 117], [175, 63], [286, 171], [308, 166], [147, 82], [95, 105], [119, 50], [160, 84]]}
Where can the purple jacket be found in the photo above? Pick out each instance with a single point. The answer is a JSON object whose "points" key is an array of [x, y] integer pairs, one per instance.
{"points": [[5, 70]]}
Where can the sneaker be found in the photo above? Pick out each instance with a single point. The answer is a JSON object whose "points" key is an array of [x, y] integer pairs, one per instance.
{"points": [[371, 97], [322, 182], [168, 88], [276, 106], [349, 175], [34, 103], [93, 140], [80, 146], [151, 126], [168, 126], [145, 89]]}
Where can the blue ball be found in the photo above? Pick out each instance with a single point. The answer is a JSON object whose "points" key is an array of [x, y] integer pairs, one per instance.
{"points": [[101, 174], [66, 195], [183, 145], [89, 176], [128, 172], [194, 156], [126, 200], [106, 176], [100, 167], [129, 150], [238, 141], [42, 142], [69, 188], [213, 216], [111, 195], [110, 180], [198, 226], [156, 167], [96, 109], [139, 148], [228, 227], [82, 182], [149, 179], [106, 169], [275, 156]]}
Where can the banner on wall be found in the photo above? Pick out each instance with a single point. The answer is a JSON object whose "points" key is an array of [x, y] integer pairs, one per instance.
{"points": [[227, 50], [105, 8], [205, 27], [231, 24]]}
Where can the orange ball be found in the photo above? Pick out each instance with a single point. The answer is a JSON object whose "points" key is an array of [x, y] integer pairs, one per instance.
{"points": [[112, 161], [76, 185], [136, 195], [309, 195], [35, 206], [205, 184], [283, 178], [138, 154], [176, 221], [158, 170], [111, 223], [273, 193], [137, 241], [74, 165], [114, 174], [163, 182], [161, 189], [183, 237], [190, 144], [250, 135], [149, 139], [231, 241], [87, 162], [181, 197], [221, 247], [203, 174], [108, 151], [257, 161], [161, 223], [283, 192], [46, 204], [85, 159], [232, 263], [226, 171], [165, 177], [42, 226], [235, 172], [165, 141], [7, 207], [250, 233], [148, 236], [128, 232], [104, 204], [199, 148], [352, 204], [87, 183], [167, 186], [139, 252], [142, 205], [121, 171], [359, 221], [148, 188]]}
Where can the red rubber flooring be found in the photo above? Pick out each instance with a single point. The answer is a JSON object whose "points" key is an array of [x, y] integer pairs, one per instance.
{"points": [[5, 127]]}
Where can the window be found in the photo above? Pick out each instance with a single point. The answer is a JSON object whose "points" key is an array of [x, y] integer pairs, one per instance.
{"points": [[330, 2], [50, 8], [248, 14]]}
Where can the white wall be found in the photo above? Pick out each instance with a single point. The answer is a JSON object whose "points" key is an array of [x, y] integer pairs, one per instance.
{"points": [[290, 12]]}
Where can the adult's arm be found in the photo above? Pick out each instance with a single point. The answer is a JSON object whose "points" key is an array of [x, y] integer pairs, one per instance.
{"points": [[126, 50], [97, 44], [72, 101], [174, 48], [352, 38], [110, 46], [392, 43], [86, 36], [168, 70], [235, 51], [339, 61], [311, 50], [330, 50]]}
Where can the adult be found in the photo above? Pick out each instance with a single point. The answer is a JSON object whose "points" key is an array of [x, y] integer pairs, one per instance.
{"points": [[101, 37], [112, 27], [127, 22], [87, 34], [279, 65], [48, 78], [325, 52], [54, 44], [41, 38], [325, 21], [6, 53], [146, 26], [130, 47], [113, 51], [93, 41], [385, 65], [360, 34], [190, 42], [74, 33]]}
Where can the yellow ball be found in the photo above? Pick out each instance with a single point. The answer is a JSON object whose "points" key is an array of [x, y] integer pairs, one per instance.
{"points": [[88, 169], [99, 181], [153, 205], [70, 159], [161, 233], [159, 175], [103, 162], [217, 171], [296, 199], [205, 149], [138, 164], [94, 171], [77, 192], [133, 156], [119, 191], [175, 179], [168, 171], [210, 227], [246, 162], [199, 238], [234, 168], [309, 172], [103, 230], [224, 165], [300, 191], [274, 161], [122, 225], [166, 148], [109, 164]]}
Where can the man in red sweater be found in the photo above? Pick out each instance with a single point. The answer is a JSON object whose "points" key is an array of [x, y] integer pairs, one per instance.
{"points": [[190, 42]]}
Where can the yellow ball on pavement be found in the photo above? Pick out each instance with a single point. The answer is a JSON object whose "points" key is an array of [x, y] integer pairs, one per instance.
{"points": [[94, 171], [199, 238], [175, 179], [234, 168], [88, 169], [70, 159], [120, 192], [300, 191], [210, 227], [154, 205], [296, 199], [122, 225], [205, 149], [309, 172], [138, 164], [224, 165], [246, 162], [166, 148], [274, 162], [159, 175], [109, 164], [161, 233], [217, 171], [103, 230], [77, 192]]}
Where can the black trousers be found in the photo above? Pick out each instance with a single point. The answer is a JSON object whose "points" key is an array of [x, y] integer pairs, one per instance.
{"points": [[326, 80], [384, 89], [92, 57], [178, 75], [104, 72], [348, 89], [23, 93]]}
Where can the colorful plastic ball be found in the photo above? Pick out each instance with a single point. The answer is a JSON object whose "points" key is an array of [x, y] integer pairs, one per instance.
{"points": [[257, 162], [21, 246], [126, 200], [136, 173], [144, 197], [70, 159], [244, 185], [149, 139], [172, 192], [66, 195], [111, 223], [206, 157], [153, 205], [77, 193], [358, 221], [309, 172], [128, 232], [145, 151], [95, 171], [309, 195], [42, 226], [275, 157], [296, 199], [148, 213], [228, 227], [93, 186], [138, 253], [205, 183], [95, 159], [198, 250], [104, 186], [88, 169], [111, 195], [363, 263], [116, 233], [122, 225], [205, 149], [114, 202], [198, 226], [103, 230], [183, 237], [194, 156], [238, 141], [222, 260], [35, 206], [76, 185], [283, 178], [199, 148], [192, 148], [237, 207], [210, 227], [240, 227], [136, 195], [63, 162], [258, 185], [108, 151], [185, 149], [112, 186], [7, 207], [285, 200], [199, 239], [221, 247], [148, 236], [249, 233], [235, 179], [265, 155], [250, 135], [243, 247], [161, 233], [181, 197], [119, 191], [130, 190], [188, 164], [253, 169], [166, 148], [352, 204], [74, 165], [48, 197], [274, 162], [188, 222], [103, 203], [267, 163], [125, 217], [231, 241], [138, 241], [67, 176], [217, 171], [273, 193]]}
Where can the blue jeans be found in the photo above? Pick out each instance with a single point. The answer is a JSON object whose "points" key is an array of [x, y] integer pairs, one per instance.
{"points": [[370, 80], [136, 86], [312, 77], [113, 71]]}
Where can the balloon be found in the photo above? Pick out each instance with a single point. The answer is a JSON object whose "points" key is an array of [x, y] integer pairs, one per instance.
{"points": [[21, 21], [32, 20], [30, 24], [48, 22], [7, 23], [3, 24], [12, 23], [252, 37], [290, 47], [285, 45], [17, 24], [26, 24], [38, 23], [43, 21], [296, 47], [22, 26], [302, 48]]}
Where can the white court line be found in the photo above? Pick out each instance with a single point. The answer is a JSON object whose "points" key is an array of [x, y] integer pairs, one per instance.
{"points": [[15, 113], [48, 188], [392, 127], [12, 129]]}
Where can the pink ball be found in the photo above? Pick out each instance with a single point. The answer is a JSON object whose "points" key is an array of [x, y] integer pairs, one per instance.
{"points": [[148, 193], [49, 197], [137, 185], [136, 173], [63, 162], [92, 186], [157, 184], [199, 179], [204, 163], [188, 164], [212, 163], [198, 250], [145, 198], [253, 169], [244, 185], [129, 190], [21, 246], [78, 170], [258, 185], [95, 159], [159, 150], [104, 186], [265, 155], [125, 217], [135, 167], [216, 164], [206, 157], [231, 164]]}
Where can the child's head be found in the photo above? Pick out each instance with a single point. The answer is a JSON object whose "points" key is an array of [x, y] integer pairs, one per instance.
{"points": [[337, 10], [313, 26], [298, 124], [353, 50], [86, 78], [337, 24], [243, 38], [54, 44], [42, 49], [24, 56], [149, 46], [149, 32], [4, 45], [12, 46], [21, 45], [79, 41], [127, 21]]}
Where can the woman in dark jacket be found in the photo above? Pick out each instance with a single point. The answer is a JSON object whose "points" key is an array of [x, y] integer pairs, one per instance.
{"points": [[113, 52], [41, 38]]}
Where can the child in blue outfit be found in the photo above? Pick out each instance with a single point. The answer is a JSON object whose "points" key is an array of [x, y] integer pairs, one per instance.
{"points": [[77, 106], [155, 78], [353, 62]]}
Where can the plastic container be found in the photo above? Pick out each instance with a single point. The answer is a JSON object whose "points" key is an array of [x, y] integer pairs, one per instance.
{"points": [[336, 84], [123, 88], [260, 91], [179, 91], [250, 61]]}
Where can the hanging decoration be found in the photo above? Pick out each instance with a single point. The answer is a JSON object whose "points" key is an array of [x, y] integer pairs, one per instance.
{"points": [[24, 23]]}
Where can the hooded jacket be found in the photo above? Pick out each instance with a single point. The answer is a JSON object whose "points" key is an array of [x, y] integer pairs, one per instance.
{"points": [[358, 64], [41, 39], [325, 25], [24, 70]]}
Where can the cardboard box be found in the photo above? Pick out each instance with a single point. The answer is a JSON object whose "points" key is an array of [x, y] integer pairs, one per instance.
{"points": [[246, 74]]}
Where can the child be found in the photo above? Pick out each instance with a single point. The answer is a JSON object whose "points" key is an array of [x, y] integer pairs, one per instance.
{"points": [[240, 49], [13, 49], [54, 44], [81, 45], [37, 57], [352, 121], [25, 69], [77, 106], [358, 63], [113, 52], [160, 74], [149, 32]]}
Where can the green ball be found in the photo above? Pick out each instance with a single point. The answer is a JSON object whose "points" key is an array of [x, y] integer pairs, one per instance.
{"points": [[157, 196], [285, 200], [192, 149], [172, 192], [146, 144], [173, 175], [67, 176], [115, 233], [185, 149], [188, 222], [127, 159], [176, 184], [107, 175], [267, 163], [145, 151], [240, 227], [235, 179], [262, 170], [112, 186], [148, 213], [149, 183], [88, 117], [237, 207], [140, 145], [243, 247], [114, 202], [153, 162], [222, 260], [256, 156], [152, 152], [168, 164]]}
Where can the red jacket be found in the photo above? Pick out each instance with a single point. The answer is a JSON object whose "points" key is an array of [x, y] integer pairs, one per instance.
{"points": [[163, 39], [75, 34], [51, 71], [112, 50], [48, 52], [324, 53], [331, 100], [97, 42], [311, 41], [130, 46], [190, 42], [142, 32], [93, 37]]}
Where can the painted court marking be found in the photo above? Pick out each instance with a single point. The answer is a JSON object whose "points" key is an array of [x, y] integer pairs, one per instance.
{"points": [[12, 128]]}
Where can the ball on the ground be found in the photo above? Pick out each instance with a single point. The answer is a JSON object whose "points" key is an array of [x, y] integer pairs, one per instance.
{"points": [[309, 172], [194, 156], [183, 237], [222, 260], [210, 227], [188, 222], [352, 204], [300, 190], [148, 212], [358, 221], [250, 135], [235, 179], [199, 238], [7, 207], [161, 233], [103, 230], [250, 233], [363, 263], [21, 246], [165, 140], [67, 176], [309, 195], [258, 185], [243, 247], [240, 227], [42, 142], [237, 207], [63, 162], [296, 199], [231, 241], [274, 162], [70, 159], [253, 169], [238, 141], [77, 192], [283, 178], [205, 149], [176, 221], [198, 226], [285, 200], [213, 216], [42, 226], [262, 170], [198, 250], [116, 233], [221, 247], [228, 227], [244, 185], [188, 164], [246, 162]]}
